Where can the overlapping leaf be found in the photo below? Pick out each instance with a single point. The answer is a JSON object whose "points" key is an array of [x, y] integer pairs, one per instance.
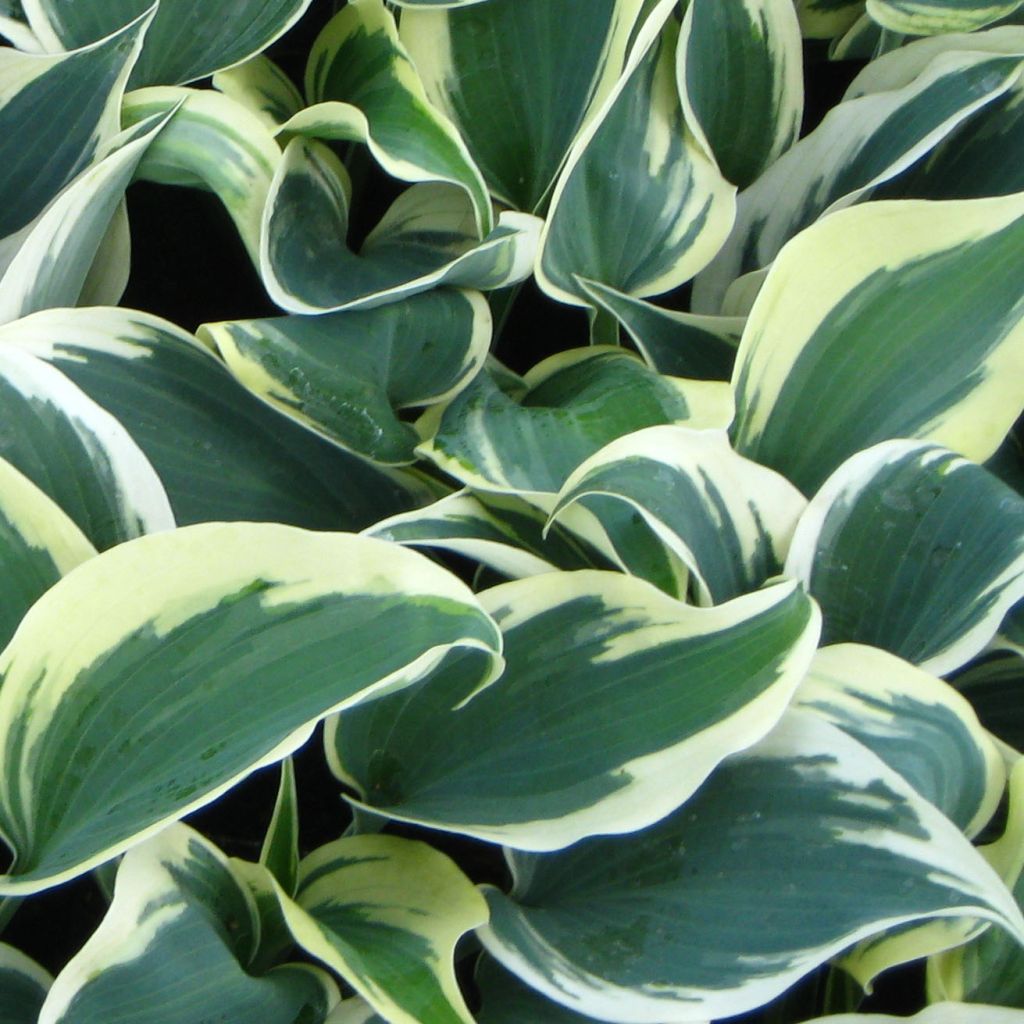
{"points": [[214, 652], [727, 520], [73, 101], [175, 945], [577, 402], [364, 88], [76, 452], [386, 914], [23, 987], [675, 344], [860, 144], [220, 453], [38, 545], [809, 826], [347, 375], [604, 734], [498, 530], [427, 238], [640, 205], [917, 724], [740, 74]]}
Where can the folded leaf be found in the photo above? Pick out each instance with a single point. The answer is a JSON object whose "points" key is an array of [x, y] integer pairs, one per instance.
{"points": [[347, 375], [221, 453], [577, 402], [216, 652], [280, 851], [899, 319], [174, 946], [726, 519], [75, 452], [518, 126], [426, 239], [189, 38], [616, 704], [211, 142], [65, 137], [911, 549], [56, 254], [262, 87], [639, 206], [364, 88], [917, 724], [740, 71], [386, 913], [809, 826]]}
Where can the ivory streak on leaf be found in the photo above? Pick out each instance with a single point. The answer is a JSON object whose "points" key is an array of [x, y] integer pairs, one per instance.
{"points": [[217, 651], [616, 704], [640, 205], [887, 320], [828, 842]]}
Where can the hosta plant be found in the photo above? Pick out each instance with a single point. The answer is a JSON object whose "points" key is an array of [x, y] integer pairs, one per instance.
{"points": [[576, 573]]}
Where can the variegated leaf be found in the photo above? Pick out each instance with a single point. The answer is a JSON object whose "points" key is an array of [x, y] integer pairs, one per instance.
{"points": [[426, 239], [280, 851], [74, 451], [577, 402], [916, 723], [899, 319], [990, 969], [211, 142], [38, 545], [934, 17], [175, 945], [262, 87], [221, 453], [829, 843], [861, 143], [364, 88], [55, 255], [217, 651], [519, 125], [189, 38], [65, 137], [640, 205], [909, 548], [507, 1000], [23, 987], [740, 72], [347, 375], [727, 520], [386, 914], [616, 704]]}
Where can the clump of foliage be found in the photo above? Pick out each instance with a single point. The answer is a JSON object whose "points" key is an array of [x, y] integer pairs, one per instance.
{"points": [[667, 653]]}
